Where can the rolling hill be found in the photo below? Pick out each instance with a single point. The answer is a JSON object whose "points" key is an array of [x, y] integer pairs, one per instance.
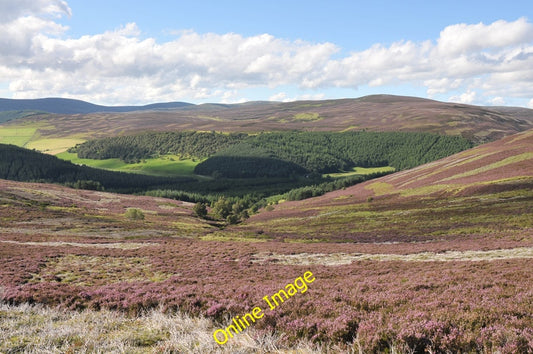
{"points": [[482, 194], [56, 132], [71, 106]]}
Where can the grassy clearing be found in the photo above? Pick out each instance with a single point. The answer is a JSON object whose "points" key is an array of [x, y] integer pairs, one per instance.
{"points": [[19, 136], [109, 164], [307, 117], [361, 171], [168, 165], [380, 188], [38, 329], [53, 146]]}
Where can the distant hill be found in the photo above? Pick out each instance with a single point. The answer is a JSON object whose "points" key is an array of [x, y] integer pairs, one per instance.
{"points": [[70, 106], [373, 113]]}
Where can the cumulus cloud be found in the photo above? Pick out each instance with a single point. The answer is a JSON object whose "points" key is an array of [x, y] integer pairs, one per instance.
{"points": [[464, 38], [467, 97], [484, 61], [24, 20], [283, 97], [10, 10], [497, 101]]}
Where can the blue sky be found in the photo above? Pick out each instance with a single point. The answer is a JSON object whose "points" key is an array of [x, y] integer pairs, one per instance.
{"points": [[137, 52]]}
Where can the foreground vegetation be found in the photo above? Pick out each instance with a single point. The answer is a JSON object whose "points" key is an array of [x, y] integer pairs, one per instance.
{"points": [[433, 259], [446, 273], [36, 328]]}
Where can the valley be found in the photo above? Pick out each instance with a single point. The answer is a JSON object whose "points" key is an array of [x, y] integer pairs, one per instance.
{"points": [[430, 255]]}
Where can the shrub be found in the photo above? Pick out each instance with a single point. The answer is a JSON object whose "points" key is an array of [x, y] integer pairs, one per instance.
{"points": [[232, 219], [200, 210], [134, 214], [222, 208]]}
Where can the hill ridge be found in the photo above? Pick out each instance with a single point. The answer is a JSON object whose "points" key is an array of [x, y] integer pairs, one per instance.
{"points": [[372, 113], [73, 106]]}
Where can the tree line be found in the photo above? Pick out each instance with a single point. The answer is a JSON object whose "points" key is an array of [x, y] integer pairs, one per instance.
{"points": [[25, 165], [134, 148], [280, 154], [289, 153]]}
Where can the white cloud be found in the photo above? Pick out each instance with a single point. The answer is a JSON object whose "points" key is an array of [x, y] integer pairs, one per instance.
{"points": [[13, 9], [463, 38], [282, 97], [497, 101], [530, 103], [119, 66], [467, 97]]}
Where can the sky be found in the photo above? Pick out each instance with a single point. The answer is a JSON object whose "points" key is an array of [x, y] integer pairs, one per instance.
{"points": [[139, 52]]}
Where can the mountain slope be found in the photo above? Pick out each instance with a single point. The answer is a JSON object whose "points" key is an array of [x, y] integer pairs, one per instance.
{"points": [[483, 193], [376, 113]]}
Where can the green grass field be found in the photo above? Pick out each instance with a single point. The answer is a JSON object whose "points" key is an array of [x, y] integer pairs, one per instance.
{"points": [[361, 171], [168, 165], [19, 136], [53, 146]]}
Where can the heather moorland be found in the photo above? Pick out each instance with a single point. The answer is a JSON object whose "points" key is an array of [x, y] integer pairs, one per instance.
{"points": [[436, 258]]}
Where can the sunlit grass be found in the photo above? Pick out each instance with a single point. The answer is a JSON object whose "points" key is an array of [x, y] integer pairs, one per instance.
{"points": [[380, 188], [19, 136], [234, 237], [53, 145], [361, 171], [168, 165], [502, 163], [307, 117]]}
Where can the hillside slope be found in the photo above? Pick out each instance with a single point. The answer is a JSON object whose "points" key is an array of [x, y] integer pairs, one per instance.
{"points": [[483, 193], [71, 215], [376, 113], [20, 164]]}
